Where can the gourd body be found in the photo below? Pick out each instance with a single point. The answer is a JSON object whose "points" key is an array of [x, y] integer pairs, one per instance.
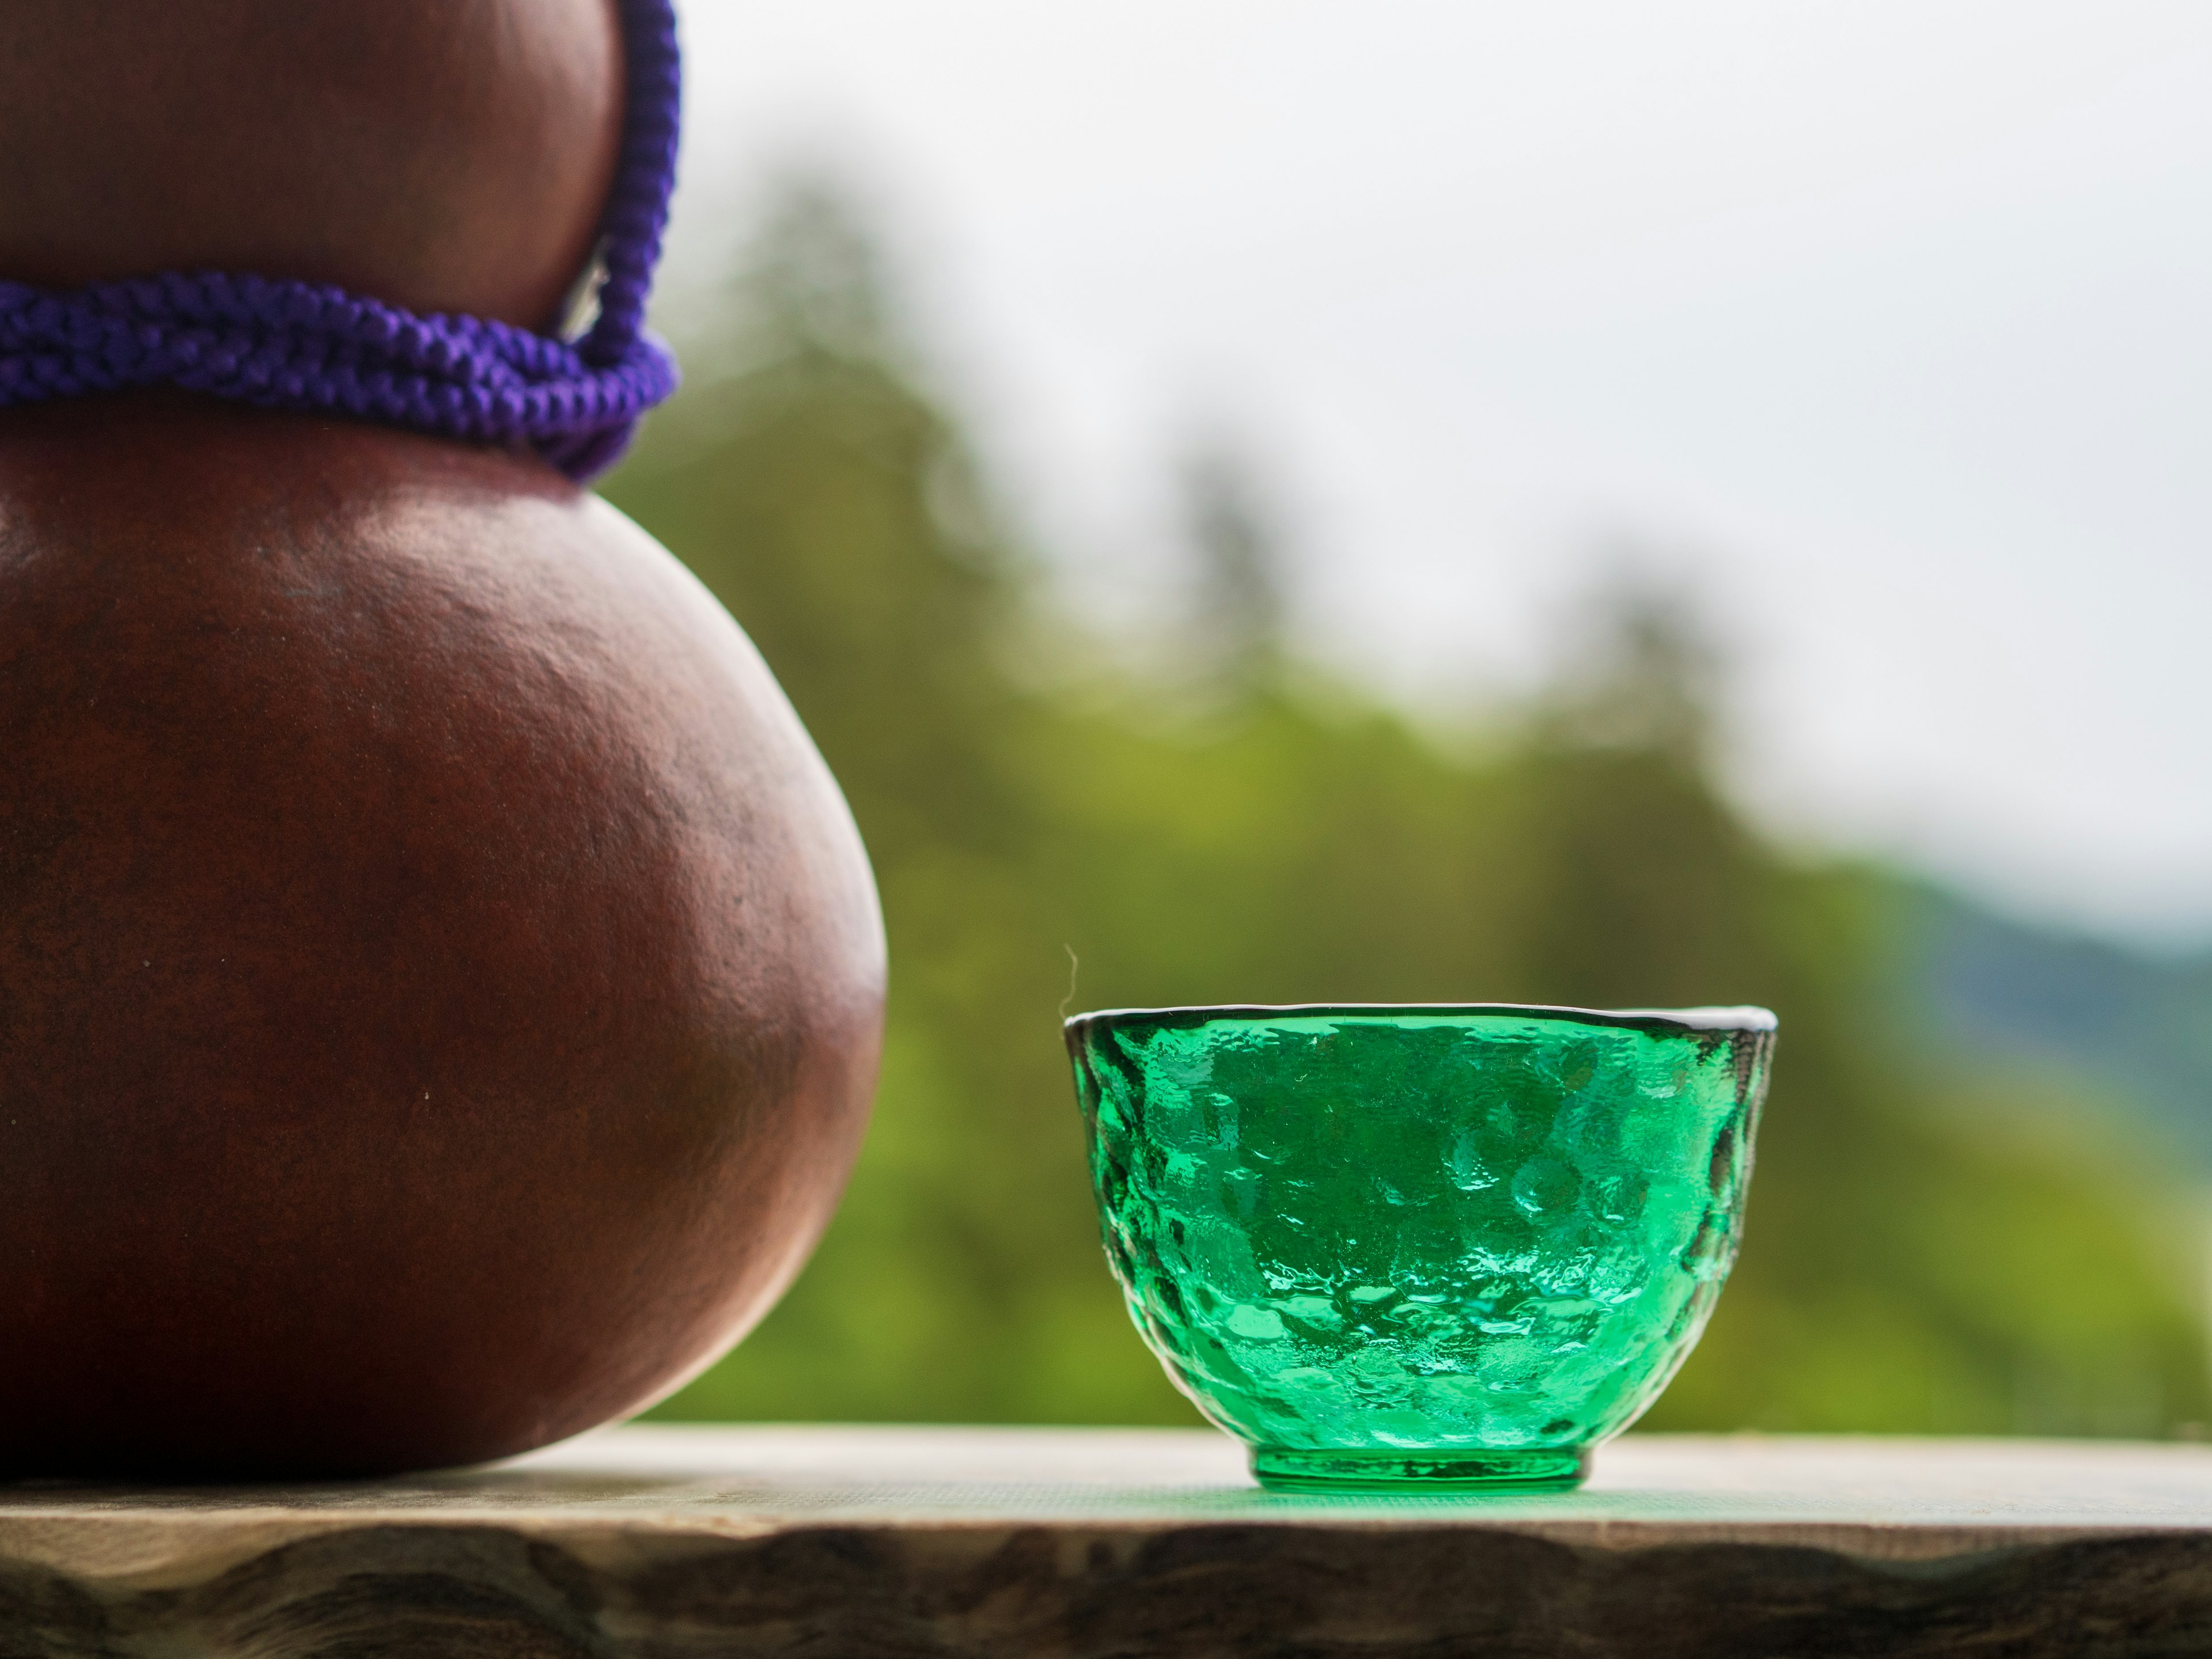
{"points": [[440, 984]]}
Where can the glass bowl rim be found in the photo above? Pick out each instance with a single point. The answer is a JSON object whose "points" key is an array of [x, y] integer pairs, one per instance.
{"points": [[1746, 1018]]}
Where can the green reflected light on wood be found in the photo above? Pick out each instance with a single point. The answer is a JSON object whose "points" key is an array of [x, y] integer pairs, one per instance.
{"points": [[1421, 1247]]}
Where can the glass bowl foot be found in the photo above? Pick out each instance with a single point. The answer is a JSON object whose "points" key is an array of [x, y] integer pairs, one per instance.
{"points": [[1412, 1473]]}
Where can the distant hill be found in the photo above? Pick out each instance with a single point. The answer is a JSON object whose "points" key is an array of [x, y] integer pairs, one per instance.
{"points": [[2134, 1024]]}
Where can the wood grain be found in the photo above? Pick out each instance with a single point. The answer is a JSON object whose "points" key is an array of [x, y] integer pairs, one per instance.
{"points": [[858, 1543]]}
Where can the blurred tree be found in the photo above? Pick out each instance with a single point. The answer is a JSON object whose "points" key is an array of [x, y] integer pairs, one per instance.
{"points": [[1236, 604], [1645, 675], [1917, 1258]]}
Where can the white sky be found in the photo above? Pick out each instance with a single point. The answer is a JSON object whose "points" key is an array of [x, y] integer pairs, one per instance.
{"points": [[1887, 323]]}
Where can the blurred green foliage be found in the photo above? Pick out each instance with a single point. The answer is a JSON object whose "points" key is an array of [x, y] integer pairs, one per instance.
{"points": [[1926, 1250]]}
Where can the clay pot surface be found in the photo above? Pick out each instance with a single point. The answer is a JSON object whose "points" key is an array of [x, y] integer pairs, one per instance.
{"points": [[441, 985], [440, 982], [440, 155]]}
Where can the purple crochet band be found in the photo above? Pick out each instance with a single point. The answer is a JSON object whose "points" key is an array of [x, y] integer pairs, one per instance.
{"points": [[284, 344]]}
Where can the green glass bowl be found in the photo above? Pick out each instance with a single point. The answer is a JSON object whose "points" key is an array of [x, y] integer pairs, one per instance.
{"points": [[1421, 1248]]}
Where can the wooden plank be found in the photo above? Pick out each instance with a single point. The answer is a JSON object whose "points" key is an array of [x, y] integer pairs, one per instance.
{"points": [[854, 1541]]}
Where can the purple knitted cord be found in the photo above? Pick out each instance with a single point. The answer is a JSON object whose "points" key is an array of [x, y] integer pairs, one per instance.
{"points": [[284, 344]]}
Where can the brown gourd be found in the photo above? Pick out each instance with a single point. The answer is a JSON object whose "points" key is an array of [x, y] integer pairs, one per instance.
{"points": [[441, 985]]}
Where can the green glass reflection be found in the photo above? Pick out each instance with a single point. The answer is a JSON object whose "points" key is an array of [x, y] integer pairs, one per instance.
{"points": [[1453, 1245]]}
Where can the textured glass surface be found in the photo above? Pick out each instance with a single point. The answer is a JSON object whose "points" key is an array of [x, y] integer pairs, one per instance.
{"points": [[1455, 1245]]}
